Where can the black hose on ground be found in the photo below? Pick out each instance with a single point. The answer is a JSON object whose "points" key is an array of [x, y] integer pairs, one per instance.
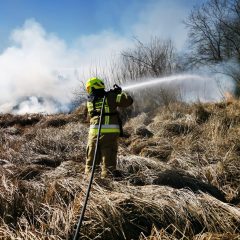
{"points": [[77, 233]]}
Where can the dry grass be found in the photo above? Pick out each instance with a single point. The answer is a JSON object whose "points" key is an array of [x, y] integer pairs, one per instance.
{"points": [[176, 164], [130, 211]]}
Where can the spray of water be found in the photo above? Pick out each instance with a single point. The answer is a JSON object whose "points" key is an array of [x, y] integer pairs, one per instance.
{"points": [[202, 87], [159, 81]]}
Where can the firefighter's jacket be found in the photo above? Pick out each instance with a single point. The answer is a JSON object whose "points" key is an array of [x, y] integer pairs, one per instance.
{"points": [[110, 120]]}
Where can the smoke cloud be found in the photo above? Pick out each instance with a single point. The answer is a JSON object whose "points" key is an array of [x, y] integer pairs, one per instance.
{"points": [[30, 67], [204, 87], [39, 71]]}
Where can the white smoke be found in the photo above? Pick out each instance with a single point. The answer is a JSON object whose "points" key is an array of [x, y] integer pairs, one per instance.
{"points": [[40, 65], [217, 80], [28, 67], [203, 87], [39, 71]]}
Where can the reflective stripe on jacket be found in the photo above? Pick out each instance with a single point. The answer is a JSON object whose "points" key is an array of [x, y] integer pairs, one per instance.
{"points": [[109, 122], [109, 128]]}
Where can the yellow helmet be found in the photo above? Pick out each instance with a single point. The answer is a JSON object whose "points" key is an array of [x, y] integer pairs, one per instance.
{"points": [[95, 83]]}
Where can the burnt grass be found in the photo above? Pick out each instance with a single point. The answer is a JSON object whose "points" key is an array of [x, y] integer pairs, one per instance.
{"points": [[178, 176]]}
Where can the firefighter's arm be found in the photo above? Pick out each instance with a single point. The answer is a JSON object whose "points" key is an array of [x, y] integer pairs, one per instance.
{"points": [[123, 100]]}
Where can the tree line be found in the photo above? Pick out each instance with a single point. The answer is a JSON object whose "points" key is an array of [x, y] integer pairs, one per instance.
{"points": [[213, 37]]}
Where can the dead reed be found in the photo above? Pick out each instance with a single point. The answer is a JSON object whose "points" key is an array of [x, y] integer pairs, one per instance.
{"points": [[180, 171]]}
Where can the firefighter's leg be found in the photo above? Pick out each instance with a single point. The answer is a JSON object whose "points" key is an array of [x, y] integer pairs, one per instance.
{"points": [[90, 154], [109, 154]]}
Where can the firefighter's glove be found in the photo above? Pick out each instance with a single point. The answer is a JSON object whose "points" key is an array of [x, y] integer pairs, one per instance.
{"points": [[117, 89]]}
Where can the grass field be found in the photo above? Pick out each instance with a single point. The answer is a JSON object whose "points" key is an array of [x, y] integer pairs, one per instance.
{"points": [[180, 168]]}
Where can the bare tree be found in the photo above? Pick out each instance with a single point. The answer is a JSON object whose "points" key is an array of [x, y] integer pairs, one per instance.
{"points": [[214, 34], [214, 31], [144, 61], [154, 59]]}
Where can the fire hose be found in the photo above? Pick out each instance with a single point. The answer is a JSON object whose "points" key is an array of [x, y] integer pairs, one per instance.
{"points": [[80, 221]]}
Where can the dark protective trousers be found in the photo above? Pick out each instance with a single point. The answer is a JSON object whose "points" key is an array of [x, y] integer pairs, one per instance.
{"points": [[107, 153]]}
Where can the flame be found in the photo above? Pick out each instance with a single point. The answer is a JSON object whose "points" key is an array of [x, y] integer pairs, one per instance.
{"points": [[229, 98]]}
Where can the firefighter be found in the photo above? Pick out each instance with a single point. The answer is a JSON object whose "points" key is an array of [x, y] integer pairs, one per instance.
{"points": [[111, 125]]}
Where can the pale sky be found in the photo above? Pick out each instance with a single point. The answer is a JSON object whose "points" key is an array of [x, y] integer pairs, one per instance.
{"points": [[73, 19], [48, 46]]}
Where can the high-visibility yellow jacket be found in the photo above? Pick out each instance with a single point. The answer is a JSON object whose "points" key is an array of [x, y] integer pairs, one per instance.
{"points": [[110, 121]]}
